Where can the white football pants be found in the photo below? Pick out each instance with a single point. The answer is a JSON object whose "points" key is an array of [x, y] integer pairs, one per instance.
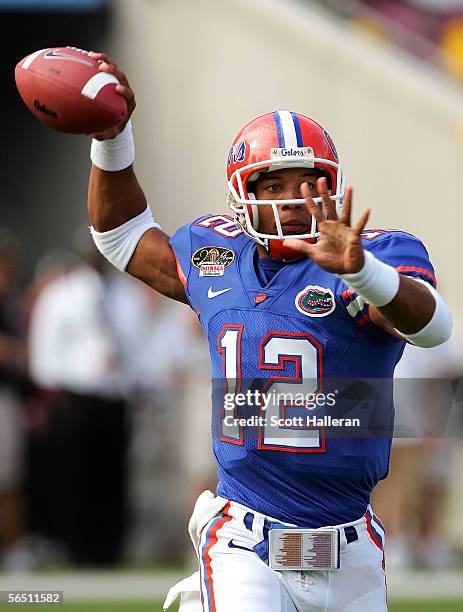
{"points": [[233, 578]]}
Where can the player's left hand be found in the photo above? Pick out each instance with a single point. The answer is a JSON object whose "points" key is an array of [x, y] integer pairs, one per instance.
{"points": [[338, 249]]}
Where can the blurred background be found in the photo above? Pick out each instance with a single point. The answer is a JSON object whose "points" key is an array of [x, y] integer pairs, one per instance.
{"points": [[99, 467]]}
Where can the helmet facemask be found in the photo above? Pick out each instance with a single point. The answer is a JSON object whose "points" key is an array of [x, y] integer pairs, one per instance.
{"points": [[245, 207]]}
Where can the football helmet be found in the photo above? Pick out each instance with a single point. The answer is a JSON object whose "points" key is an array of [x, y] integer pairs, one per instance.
{"points": [[274, 141]]}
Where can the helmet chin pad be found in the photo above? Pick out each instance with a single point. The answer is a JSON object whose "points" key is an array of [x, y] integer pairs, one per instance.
{"points": [[277, 250], [253, 212]]}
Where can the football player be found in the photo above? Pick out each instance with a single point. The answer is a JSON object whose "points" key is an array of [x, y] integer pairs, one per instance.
{"points": [[293, 294]]}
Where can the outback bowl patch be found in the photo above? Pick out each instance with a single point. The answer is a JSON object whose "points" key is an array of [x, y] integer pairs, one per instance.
{"points": [[315, 301], [212, 260]]}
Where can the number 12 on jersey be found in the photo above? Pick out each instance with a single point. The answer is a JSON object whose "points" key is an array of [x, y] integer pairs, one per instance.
{"points": [[281, 399]]}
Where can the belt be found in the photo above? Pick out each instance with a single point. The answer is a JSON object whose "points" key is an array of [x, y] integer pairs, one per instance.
{"points": [[261, 549]]}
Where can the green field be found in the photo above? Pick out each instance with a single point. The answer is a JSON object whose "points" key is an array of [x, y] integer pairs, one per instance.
{"points": [[417, 606], [153, 606]]}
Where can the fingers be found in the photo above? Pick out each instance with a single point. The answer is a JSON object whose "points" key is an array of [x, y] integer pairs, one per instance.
{"points": [[117, 72], [129, 96], [101, 57], [347, 207], [346, 216], [109, 65], [329, 206], [311, 206], [123, 89], [359, 226]]}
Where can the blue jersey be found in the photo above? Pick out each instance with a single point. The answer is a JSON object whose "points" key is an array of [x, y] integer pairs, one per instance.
{"points": [[300, 331]]}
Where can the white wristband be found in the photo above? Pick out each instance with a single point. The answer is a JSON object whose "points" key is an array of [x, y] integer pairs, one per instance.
{"points": [[376, 282], [115, 154]]}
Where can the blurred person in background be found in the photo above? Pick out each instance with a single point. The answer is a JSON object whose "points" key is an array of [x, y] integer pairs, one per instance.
{"points": [[51, 266], [196, 398], [12, 435], [39, 489], [78, 354], [201, 473], [413, 499], [159, 371]]}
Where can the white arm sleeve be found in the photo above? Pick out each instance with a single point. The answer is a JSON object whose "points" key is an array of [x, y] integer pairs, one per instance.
{"points": [[439, 328], [119, 244]]}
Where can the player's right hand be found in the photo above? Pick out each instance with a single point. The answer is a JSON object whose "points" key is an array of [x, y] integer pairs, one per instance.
{"points": [[124, 89], [339, 247]]}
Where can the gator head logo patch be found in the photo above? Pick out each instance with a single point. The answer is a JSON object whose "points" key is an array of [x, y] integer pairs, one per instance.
{"points": [[315, 301]]}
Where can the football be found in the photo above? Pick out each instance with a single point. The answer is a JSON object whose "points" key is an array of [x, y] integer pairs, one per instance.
{"points": [[64, 88]]}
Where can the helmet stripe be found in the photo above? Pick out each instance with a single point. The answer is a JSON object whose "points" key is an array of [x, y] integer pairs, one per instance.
{"points": [[297, 127], [289, 131], [279, 126]]}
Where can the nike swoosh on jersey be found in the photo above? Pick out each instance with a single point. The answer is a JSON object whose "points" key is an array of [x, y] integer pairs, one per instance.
{"points": [[66, 56], [212, 294]]}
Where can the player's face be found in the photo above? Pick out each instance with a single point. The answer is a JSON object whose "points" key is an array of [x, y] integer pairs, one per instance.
{"points": [[285, 185]]}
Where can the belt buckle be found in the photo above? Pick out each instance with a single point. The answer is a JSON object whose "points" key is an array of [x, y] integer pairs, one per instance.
{"points": [[304, 549]]}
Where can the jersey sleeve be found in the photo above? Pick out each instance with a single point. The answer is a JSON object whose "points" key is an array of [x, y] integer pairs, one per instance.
{"points": [[208, 233], [403, 252]]}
